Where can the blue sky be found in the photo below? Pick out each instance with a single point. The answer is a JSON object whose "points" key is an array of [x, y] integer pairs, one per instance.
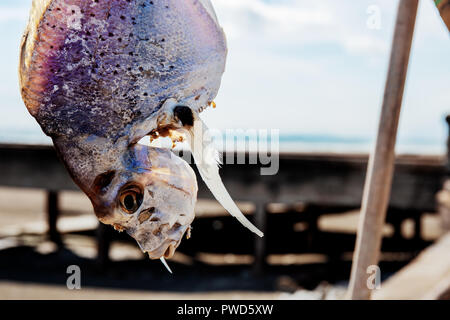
{"points": [[310, 67]]}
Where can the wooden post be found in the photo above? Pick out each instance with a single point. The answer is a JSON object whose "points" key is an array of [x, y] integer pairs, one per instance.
{"points": [[260, 216], [52, 217], [444, 10], [448, 144], [104, 236], [381, 163]]}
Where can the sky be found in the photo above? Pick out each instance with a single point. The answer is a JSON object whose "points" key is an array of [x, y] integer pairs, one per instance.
{"points": [[304, 67]]}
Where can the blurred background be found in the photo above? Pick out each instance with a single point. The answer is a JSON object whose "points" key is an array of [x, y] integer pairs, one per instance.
{"points": [[313, 70]]}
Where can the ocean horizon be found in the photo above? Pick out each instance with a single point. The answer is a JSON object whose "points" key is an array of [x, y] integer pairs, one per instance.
{"points": [[288, 142]]}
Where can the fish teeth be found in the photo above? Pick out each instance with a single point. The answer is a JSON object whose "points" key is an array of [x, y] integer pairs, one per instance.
{"points": [[164, 262], [188, 233], [118, 227]]}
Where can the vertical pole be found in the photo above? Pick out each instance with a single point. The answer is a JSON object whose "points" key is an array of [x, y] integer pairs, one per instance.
{"points": [[52, 217], [104, 235], [381, 163], [260, 217], [418, 227], [444, 11], [448, 144]]}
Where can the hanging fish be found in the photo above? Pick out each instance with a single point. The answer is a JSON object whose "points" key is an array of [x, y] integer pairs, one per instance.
{"points": [[98, 76]]}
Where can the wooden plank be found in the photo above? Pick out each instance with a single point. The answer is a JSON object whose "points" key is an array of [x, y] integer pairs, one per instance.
{"points": [[33, 167], [381, 164], [314, 178], [426, 277]]}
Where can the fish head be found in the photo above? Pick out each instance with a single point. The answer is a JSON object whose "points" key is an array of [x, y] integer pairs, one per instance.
{"points": [[150, 194]]}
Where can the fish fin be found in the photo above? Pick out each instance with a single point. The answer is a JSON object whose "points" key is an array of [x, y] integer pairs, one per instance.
{"points": [[208, 161], [210, 9]]}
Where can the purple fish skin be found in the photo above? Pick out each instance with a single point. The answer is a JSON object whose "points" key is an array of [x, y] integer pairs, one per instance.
{"points": [[101, 68], [95, 74]]}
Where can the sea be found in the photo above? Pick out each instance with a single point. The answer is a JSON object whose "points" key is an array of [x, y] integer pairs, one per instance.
{"points": [[285, 142]]}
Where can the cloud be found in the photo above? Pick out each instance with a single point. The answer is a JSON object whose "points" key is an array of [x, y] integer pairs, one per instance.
{"points": [[315, 66], [285, 15], [364, 44], [297, 23]]}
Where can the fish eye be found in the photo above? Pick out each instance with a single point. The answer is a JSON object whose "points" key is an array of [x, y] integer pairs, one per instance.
{"points": [[130, 198]]}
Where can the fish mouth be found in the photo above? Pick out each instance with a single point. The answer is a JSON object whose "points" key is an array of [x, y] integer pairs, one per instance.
{"points": [[159, 240], [166, 250]]}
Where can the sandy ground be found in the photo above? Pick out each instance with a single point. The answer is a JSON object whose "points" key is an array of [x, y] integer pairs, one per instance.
{"points": [[21, 291], [23, 223], [22, 236], [24, 291]]}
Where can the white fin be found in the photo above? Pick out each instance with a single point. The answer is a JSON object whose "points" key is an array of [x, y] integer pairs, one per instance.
{"points": [[210, 9], [207, 160], [164, 262]]}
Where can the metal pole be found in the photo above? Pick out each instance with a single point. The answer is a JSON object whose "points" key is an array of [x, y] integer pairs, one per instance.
{"points": [[381, 163]]}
